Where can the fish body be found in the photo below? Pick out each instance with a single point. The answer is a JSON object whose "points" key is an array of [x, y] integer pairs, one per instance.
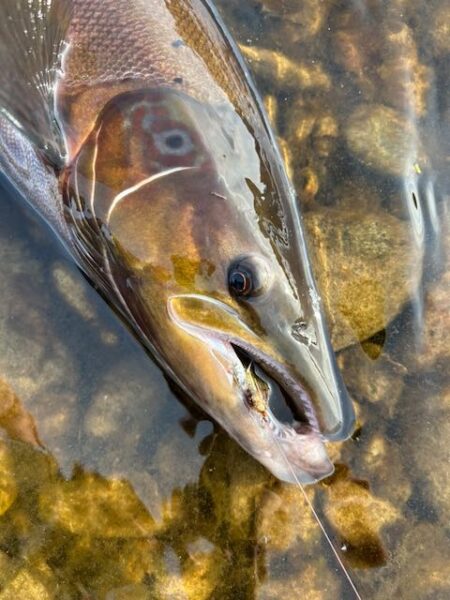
{"points": [[143, 144]]}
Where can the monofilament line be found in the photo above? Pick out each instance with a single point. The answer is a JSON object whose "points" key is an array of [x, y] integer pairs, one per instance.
{"points": [[316, 516]]}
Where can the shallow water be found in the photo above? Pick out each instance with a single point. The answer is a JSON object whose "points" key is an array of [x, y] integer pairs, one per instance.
{"points": [[111, 488]]}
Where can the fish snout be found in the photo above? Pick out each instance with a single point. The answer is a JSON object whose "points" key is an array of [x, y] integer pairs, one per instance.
{"points": [[254, 394]]}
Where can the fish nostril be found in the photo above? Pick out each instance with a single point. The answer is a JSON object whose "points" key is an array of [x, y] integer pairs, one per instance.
{"points": [[301, 332]]}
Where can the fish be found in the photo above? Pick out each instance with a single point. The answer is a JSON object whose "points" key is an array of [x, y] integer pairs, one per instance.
{"points": [[136, 132]]}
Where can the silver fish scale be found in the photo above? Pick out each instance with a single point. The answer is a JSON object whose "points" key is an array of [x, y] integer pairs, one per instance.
{"points": [[114, 41]]}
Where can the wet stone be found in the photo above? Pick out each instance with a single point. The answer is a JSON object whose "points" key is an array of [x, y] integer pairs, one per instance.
{"points": [[90, 505], [277, 68], [98, 566], [420, 564], [236, 484], [378, 381], [8, 485], [383, 139], [285, 520], [426, 432], [435, 347], [316, 582], [291, 24], [366, 268], [432, 351], [30, 584], [291, 547], [389, 476], [358, 517]]}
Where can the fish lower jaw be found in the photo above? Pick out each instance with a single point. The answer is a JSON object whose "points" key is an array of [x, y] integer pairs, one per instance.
{"points": [[293, 456]]}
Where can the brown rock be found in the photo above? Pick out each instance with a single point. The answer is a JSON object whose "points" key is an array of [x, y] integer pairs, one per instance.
{"points": [[378, 381], [425, 442], [385, 140], [285, 520], [420, 567], [277, 68], [8, 485], [440, 28], [30, 584], [358, 517], [316, 582], [366, 268], [93, 506]]}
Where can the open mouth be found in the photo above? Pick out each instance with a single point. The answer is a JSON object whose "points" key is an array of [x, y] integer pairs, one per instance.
{"points": [[269, 389], [283, 432]]}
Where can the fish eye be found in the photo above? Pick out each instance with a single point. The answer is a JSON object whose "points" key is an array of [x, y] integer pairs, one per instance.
{"points": [[240, 282], [246, 277], [174, 142]]}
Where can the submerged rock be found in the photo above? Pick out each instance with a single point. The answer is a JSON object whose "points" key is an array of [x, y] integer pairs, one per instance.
{"points": [[8, 486], [366, 267], [358, 516], [92, 506], [383, 139], [30, 584], [380, 380], [276, 67], [426, 431], [420, 566]]}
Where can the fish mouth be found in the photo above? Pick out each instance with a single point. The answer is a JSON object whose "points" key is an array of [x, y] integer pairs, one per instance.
{"points": [[289, 410], [284, 409], [270, 413]]}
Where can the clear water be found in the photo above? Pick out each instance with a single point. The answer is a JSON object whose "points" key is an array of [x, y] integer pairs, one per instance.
{"points": [[112, 487]]}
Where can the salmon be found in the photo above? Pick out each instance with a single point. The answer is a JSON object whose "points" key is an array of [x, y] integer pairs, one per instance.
{"points": [[135, 131]]}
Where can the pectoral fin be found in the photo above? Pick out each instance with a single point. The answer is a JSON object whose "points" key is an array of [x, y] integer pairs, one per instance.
{"points": [[32, 39]]}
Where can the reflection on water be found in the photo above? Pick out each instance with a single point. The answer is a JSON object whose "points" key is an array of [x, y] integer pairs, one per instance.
{"points": [[110, 488]]}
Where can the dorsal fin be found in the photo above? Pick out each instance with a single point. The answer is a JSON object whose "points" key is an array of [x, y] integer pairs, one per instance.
{"points": [[32, 39]]}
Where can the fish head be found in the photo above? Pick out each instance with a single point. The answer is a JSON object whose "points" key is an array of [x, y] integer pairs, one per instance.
{"points": [[176, 207]]}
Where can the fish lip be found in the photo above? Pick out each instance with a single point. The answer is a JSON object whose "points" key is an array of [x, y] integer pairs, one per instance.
{"points": [[299, 396]]}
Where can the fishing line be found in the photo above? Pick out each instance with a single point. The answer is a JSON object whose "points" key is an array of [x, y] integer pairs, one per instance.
{"points": [[316, 516]]}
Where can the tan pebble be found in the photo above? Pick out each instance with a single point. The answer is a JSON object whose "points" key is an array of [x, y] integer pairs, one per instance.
{"points": [[440, 28], [285, 519], [275, 66], [73, 290], [8, 486], [91, 505], [383, 139], [366, 268], [359, 517]]}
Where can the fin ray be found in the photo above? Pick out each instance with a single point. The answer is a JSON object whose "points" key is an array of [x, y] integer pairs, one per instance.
{"points": [[32, 39]]}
